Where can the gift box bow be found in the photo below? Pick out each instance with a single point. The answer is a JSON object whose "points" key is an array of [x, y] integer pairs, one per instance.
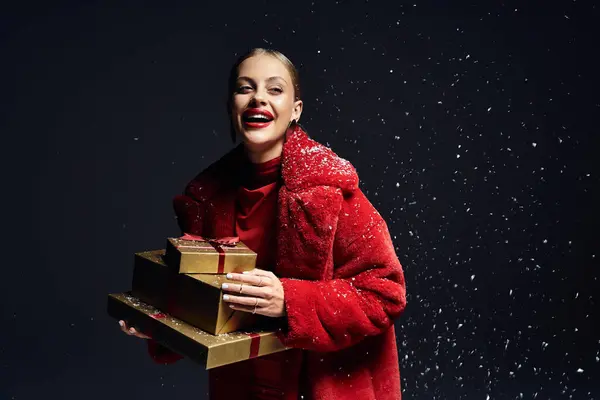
{"points": [[224, 241]]}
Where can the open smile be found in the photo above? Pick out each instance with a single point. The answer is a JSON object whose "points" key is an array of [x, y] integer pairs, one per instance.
{"points": [[256, 118]]}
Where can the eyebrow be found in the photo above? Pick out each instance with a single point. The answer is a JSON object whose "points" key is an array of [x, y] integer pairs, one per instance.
{"points": [[273, 78]]}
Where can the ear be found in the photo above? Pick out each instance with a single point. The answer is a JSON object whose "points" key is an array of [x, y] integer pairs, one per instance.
{"points": [[297, 111]]}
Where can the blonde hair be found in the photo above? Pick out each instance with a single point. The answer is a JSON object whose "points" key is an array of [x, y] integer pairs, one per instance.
{"points": [[233, 75]]}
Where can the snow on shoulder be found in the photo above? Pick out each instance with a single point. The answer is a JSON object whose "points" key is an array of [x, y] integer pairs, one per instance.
{"points": [[307, 163]]}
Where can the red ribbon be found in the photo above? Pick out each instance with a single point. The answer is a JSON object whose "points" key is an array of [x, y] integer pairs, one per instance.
{"points": [[216, 243], [224, 241], [254, 344]]}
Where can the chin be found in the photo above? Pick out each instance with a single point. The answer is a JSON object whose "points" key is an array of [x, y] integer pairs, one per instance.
{"points": [[260, 138]]}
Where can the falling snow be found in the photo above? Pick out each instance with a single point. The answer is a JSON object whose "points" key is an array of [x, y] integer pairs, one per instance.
{"points": [[473, 132]]}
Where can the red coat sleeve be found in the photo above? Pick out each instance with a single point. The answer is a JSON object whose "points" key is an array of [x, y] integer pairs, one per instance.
{"points": [[189, 215], [366, 292]]}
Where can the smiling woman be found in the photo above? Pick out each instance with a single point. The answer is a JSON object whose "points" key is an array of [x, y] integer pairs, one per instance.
{"points": [[327, 273], [264, 99]]}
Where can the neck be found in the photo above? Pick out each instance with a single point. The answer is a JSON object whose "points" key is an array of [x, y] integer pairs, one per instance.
{"points": [[259, 156]]}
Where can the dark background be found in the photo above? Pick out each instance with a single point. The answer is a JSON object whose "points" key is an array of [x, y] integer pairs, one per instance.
{"points": [[472, 127]]}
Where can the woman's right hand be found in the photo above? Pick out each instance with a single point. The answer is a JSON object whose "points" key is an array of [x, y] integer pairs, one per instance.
{"points": [[131, 331]]}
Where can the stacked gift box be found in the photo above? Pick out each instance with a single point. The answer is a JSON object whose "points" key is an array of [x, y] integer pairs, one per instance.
{"points": [[176, 298]]}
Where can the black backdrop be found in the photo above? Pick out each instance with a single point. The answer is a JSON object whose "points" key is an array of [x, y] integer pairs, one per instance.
{"points": [[471, 126]]}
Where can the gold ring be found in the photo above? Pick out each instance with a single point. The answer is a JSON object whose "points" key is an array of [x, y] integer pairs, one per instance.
{"points": [[254, 311], [256, 302]]}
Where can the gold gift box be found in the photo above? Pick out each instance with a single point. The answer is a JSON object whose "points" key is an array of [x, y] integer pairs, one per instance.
{"points": [[194, 298], [197, 257], [209, 350]]}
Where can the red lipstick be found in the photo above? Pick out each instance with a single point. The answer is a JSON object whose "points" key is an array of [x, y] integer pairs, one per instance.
{"points": [[256, 118]]}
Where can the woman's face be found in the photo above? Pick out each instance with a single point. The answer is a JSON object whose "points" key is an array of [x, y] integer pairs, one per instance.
{"points": [[263, 102]]}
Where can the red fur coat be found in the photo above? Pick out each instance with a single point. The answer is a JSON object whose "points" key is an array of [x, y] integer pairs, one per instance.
{"points": [[343, 283]]}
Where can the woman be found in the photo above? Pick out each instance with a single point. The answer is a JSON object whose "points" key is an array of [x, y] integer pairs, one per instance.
{"points": [[326, 266]]}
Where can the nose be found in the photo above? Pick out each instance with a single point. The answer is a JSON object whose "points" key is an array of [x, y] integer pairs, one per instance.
{"points": [[259, 98]]}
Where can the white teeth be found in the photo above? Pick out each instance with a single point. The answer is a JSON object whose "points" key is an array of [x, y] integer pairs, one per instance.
{"points": [[261, 116]]}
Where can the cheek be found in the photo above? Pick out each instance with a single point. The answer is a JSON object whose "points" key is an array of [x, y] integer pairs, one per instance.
{"points": [[283, 107], [238, 105]]}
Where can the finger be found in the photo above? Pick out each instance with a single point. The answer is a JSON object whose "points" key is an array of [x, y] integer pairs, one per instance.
{"points": [[262, 311], [142, 335], [259, 272], [247, 290], [123, 326], [248, 309], [265, 278], [137, 333], [255, 280], [245, 301]]}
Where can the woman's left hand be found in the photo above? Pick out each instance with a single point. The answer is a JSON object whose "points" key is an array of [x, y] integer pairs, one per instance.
{"points": [[258, 292]]}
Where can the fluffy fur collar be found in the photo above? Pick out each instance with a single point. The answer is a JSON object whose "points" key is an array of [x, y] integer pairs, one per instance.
{"points": [[305, 163]]}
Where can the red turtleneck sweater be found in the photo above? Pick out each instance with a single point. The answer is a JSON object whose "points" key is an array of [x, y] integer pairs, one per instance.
{"points": [[262, 378], [274, 376], [256, 207]]}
